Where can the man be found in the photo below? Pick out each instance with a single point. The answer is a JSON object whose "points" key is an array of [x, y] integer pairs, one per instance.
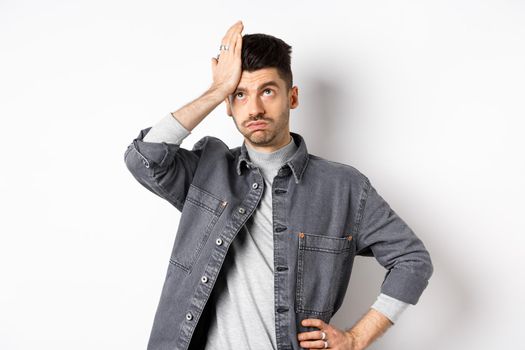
{"points": [[268, 232]]}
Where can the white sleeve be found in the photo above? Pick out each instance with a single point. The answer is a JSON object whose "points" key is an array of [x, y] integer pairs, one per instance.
{"points": [[168, 130]]}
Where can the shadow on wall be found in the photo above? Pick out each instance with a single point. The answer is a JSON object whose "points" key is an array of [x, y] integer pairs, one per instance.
{"points": [[317, 116]]}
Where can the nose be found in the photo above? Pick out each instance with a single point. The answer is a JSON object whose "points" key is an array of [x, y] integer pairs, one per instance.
{"points": [[255, 107]]}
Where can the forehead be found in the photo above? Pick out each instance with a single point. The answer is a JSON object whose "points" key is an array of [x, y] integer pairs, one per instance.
{"points": [[253, 80]]}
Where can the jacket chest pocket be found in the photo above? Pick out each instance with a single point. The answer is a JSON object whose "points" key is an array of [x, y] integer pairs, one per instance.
{"points": [[323, 272], [200, 213]]}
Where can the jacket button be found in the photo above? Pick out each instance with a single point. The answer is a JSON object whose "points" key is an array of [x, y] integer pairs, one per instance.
{"points": [[218, 241], [255, 185], [204, 279], [145, 162], [242, 210], [189, 316]]}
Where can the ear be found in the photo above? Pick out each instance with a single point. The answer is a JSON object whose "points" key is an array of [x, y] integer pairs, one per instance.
{"points": [[294, 97], [228, 106]]}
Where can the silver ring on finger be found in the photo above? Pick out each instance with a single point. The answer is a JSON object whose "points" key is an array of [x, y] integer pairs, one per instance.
{"points": [[323, 336], [225, 47], [325, 344]]}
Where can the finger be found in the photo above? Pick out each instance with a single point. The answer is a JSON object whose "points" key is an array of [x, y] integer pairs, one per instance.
{"points": [[313, 322], [316, 335], [228, 32], [238, 39], [317, 344], [226, 40], [232, 36], [238, 45], [213, 63]]}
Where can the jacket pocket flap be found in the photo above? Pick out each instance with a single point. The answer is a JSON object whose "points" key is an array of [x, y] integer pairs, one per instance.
{"points": [[205, 200], [325, 243]]}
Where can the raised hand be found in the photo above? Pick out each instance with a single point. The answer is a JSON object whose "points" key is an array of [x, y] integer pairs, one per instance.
{"points": [[227, 68]]}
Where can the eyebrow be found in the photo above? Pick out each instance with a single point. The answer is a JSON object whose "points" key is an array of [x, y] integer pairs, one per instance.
{"points": [[268, 83]]}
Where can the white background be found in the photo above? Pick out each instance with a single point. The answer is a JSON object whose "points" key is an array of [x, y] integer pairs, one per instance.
{"points": [[425, 98]]}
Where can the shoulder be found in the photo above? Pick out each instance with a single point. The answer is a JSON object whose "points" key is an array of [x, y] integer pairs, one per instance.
{"points": [[207, 140], [335, 169], [215, 145]]}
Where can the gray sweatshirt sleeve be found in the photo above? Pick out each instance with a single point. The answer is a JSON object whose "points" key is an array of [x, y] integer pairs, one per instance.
{"points": [[390, 307], [168, 129]]}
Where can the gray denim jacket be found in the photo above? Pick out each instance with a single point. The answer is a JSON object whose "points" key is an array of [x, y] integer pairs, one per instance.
{"points": [[324, 214]]}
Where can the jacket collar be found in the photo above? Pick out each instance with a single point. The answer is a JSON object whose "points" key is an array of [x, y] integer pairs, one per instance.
{"points": [[297, 163]]}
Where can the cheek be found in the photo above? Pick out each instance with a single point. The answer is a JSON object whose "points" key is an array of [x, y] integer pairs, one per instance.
{"points": [[237, 107], [279, 107], [274, 104]]}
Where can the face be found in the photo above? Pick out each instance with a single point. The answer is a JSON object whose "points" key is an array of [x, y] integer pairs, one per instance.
{"points": [[260, 107]]}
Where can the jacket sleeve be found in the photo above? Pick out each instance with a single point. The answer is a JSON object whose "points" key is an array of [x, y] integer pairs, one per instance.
{"points": [[384, 235], [163, 168]]}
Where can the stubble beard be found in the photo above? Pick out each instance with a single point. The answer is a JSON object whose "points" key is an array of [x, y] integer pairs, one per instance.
{"points": [[265, 136], [261, 137]]}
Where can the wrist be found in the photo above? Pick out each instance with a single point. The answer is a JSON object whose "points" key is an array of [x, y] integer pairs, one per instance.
{"points": [[217, 92], [354, 340]]}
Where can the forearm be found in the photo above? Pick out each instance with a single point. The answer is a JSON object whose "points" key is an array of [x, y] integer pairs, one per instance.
{"points": [[368, 329], [195, 111]]}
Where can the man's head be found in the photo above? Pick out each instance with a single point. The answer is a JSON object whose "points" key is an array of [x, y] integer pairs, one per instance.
{"points": [[265, 92]]}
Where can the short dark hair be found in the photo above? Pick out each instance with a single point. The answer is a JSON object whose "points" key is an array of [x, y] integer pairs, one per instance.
{"points": [[266, 51]]}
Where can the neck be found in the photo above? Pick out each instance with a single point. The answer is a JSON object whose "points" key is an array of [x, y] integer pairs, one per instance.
{"points": [[272, 160]]}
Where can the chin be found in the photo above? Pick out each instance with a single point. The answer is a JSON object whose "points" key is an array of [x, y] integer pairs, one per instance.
{"points": [[261, 139]]}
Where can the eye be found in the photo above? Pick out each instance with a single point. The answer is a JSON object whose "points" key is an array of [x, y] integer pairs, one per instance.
{"points": [[239, 93], [269, 90]]}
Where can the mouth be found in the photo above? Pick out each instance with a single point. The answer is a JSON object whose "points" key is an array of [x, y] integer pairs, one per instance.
{"points": [[256, 125]]}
